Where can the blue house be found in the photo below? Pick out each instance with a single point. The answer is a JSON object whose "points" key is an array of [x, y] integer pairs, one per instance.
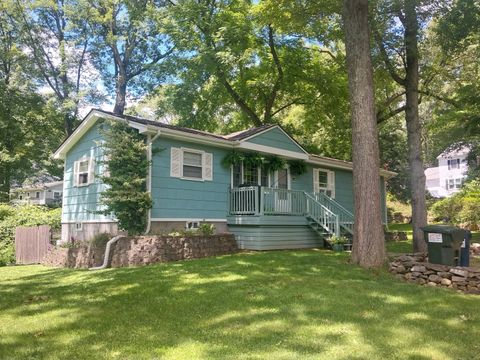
{"points": [[190, 184]]}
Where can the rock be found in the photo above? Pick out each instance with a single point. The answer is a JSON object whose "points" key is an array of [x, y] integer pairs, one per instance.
{"points": [[445, 274], [418, 268], [436, 267], [421, 281], [431, 283], [401, 269], [459, 272], [458, 279], [446, 282], [434, 278]]}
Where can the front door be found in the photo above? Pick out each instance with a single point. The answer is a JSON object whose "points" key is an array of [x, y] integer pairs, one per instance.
{"points": [[282, 197]]}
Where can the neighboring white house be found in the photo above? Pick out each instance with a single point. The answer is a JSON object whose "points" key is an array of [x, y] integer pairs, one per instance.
{"points": [[447, 178], [39, 194]]}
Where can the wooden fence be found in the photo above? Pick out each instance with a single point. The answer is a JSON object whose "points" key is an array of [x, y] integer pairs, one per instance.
{"points": [[31, 244]]}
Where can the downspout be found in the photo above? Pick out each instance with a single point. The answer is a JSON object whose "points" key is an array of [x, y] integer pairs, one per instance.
{"points": [[107, 252], [150, 141]]}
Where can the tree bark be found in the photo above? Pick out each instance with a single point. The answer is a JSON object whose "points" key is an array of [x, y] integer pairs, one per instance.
{"points": [[368, 239], [417, 175], [121, 93]]}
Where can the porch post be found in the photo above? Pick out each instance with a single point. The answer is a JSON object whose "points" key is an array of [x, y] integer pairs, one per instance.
{"points": [[261, 200]]}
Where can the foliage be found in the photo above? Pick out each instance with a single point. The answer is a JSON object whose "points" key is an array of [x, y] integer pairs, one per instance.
{"points": [[126, 195], [214, 302], [100, 240], [340, 240], [206, 229], [297, 167], [274, 163], [462, 207], [26, 215]]}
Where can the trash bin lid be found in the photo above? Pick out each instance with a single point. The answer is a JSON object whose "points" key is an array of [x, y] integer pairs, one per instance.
{"points": [[443, 229]]}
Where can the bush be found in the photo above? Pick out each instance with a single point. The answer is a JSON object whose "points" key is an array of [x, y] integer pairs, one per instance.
{"points": [[100, 240], [26, 215], [461, 208], [206, 229]]}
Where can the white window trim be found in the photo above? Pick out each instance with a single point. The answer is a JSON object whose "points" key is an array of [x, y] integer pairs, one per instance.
{"points": [[195, 151], [193, 222], [90, 171], [77, 227], [330, 187]]}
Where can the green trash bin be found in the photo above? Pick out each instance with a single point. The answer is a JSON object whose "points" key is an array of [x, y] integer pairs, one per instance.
{"points": [[444, 243]]}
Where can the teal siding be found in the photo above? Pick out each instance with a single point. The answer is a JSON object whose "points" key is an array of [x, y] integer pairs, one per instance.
{"points": [[343, 185], [272, 232], [190, 199], [80, 203], [277, 139]]}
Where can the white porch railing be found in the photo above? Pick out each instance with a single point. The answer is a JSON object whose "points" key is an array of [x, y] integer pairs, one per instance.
{"points": [[345, 217], [255, 200]]}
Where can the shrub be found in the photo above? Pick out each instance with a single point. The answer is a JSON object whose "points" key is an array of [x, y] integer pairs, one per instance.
{"points": [[100, 240], [26, 215], [461, 208], [206, 229]]}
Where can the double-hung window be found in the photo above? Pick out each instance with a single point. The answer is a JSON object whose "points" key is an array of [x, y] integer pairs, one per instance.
{"points": [[324, 182], [250, 175], [453, 164], [83, 171], [191, 164]]}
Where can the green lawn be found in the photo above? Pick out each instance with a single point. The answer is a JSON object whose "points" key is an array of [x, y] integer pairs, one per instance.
{"points": [[264, 305]]}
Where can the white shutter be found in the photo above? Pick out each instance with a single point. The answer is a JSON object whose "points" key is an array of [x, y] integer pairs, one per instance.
{"points": [[331, 183], [315, 181], [76, 167], [91, 170], [207, 167], [176, 162]]}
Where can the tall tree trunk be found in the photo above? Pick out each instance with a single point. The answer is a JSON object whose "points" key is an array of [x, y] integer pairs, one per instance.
{"points": [[368, 240], [121, 94], [417, 178]]}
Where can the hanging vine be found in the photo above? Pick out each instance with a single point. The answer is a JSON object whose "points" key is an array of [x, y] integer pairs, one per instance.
{"points": [[270, 162]]}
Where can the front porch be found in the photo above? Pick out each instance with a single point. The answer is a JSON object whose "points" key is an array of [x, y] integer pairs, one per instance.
{"points": [[264, 218]]}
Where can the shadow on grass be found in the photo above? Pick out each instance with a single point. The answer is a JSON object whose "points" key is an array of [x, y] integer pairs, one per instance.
{"points": [[284, 304]]}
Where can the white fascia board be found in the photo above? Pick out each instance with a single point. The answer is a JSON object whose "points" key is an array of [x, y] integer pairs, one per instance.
{"points": [[86, 124], [344, 165], [271, 128], [187, 219], [196, 138], [271, 150], [102, 221]]}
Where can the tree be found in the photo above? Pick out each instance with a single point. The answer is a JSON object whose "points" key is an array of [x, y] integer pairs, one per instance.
{"points": [[58, 48], [126, 194], [368, 242], [29, 129], [401, 50], [128, 46]]}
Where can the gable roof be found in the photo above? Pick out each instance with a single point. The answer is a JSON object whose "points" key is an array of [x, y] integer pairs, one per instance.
{"points": [[235, 140]]}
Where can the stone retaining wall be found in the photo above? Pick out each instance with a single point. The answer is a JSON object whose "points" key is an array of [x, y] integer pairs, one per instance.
{"points": [[414, 268], [144, 250]]}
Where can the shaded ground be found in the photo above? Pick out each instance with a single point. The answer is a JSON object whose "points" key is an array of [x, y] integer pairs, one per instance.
{"points": [[263, 305]]}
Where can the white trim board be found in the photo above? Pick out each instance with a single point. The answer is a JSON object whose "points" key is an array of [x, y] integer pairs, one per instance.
{"points": [[271, 128], [188, 219], [272, 150], [89, 221]]}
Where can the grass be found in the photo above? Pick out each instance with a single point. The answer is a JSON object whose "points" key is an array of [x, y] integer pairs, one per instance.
{"points": [[263, 305]]}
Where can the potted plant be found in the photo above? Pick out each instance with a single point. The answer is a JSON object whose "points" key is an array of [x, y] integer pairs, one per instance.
{"points": [[338, 242]]}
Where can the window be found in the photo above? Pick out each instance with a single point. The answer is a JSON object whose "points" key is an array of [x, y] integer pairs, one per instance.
{"points": [[78, 226], [453, 164], [192, 165], [324, 182], [83, 171], [192, 225], [28, 194], [250, 175], [21, 197], [37, 195], [458, 183], [57, 195]]}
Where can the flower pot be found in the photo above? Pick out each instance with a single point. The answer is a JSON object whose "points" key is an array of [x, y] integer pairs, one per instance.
{"points": [[337, 247]]}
